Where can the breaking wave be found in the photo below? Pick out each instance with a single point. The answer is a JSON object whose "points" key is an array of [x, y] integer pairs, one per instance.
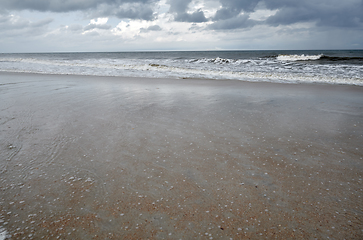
{"points": [[217, 60], [320, 57], [301, 57]]}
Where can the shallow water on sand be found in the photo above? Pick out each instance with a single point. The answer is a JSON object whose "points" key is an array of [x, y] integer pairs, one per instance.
{"points": [[84, 157]]}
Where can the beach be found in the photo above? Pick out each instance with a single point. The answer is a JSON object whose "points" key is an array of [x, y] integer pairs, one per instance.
{"points": [[87, 157]]}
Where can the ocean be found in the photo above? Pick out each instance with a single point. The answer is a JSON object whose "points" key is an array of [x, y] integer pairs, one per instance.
{"points": [[317, 66]]}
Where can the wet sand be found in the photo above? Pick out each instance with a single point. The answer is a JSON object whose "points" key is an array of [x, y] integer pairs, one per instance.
{"points": [[127, 158]]}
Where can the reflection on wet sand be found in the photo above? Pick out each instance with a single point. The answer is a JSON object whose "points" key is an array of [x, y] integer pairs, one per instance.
{"points": [[96, 158]]}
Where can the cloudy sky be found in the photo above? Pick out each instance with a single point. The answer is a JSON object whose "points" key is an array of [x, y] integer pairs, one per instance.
{"points": [[128, 25]]}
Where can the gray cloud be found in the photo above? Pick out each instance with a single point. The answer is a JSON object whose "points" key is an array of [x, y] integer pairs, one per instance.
{"points": [[335, 13], [97, 26], [241, 21], [134, 9], [151, 28], [197, 16], [75, 28], [63, 5], [15, 26], [180, 8], [10, 22], [231, 8], [331, 13], [325, 13], [49, 5]]}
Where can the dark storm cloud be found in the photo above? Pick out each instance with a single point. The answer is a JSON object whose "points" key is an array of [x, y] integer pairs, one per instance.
{"points": [[135, 9]]}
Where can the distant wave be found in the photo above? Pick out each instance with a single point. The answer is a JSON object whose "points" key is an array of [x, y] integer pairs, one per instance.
{"points": [[301, 57], [322, 57], [217, 60], [358, 59]]}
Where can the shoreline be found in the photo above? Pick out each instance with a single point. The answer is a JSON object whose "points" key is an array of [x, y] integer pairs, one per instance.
{"points": [[184, 79], [92, 157]]}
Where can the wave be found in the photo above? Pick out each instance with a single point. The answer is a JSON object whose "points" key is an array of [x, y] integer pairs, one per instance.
{"points": [[301, 57], [272, 68], [217, 60], [163, 71], [320, 57]]}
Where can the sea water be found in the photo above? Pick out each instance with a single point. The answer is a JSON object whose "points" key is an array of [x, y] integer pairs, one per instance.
{"points": [[318, 66]]}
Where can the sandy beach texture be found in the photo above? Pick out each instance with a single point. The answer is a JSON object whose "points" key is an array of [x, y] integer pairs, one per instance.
{"points": [[127, 158]]}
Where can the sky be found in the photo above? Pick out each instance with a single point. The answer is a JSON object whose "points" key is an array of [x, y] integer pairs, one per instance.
{"points": [[153, 25]]}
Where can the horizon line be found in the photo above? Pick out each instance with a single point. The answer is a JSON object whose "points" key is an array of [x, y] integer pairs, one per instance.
{"points": [[208, 50]]}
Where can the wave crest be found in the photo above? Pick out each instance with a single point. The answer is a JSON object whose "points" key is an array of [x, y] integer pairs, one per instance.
{"points": [[217, 60], [301, 57]]}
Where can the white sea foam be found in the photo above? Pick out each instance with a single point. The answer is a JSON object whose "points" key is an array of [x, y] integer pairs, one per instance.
{"points": [[217, 60], [301, 57]]}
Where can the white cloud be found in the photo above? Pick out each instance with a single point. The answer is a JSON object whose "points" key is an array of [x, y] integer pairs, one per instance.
{"points": [[129, 29]]}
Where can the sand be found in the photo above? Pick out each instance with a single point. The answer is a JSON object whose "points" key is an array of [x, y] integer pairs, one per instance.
{"points": [[130, 158]]}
